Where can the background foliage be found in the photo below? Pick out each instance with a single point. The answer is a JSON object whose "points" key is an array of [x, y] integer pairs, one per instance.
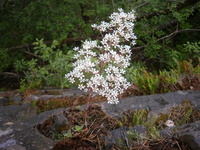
{"points": [[166, 30]]}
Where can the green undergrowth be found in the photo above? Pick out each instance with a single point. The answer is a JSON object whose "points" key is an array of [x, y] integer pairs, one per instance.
{"points": [[180, 77]]}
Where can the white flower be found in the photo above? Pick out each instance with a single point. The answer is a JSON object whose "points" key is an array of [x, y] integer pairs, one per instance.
{"points": [[100, 68], [81, 87], [94, 25]]}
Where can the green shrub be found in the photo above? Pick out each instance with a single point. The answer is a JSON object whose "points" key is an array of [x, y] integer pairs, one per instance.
{"points": [[48, 69]]}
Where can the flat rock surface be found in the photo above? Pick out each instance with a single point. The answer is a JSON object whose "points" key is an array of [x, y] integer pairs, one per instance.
{"points": [[156, 103]]}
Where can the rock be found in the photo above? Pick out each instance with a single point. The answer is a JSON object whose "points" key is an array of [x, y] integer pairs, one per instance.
{"points": [[52, 119], [158, 103], [139, 130], [16, 113], [62, 93], [59, 120], [5, 132], [24, 136], [161, 101], [3, 101], [16, 147], [41, 97], [18, 122], [7, 144], [192, 139], [122, 136], [116, 137], [18, 127], [167, 132], [40, 118], [10, 98], [15, 99], [190, 127], [190, 134]]}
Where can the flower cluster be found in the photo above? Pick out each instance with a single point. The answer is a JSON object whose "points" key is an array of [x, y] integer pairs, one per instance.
{"points": [[100, 66]]}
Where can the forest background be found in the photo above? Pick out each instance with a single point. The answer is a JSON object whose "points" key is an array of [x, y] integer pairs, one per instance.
{"points": [[37, 38]]}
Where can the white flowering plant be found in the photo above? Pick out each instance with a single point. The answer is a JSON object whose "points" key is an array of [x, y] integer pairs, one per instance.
{"points": [[100, 65]]}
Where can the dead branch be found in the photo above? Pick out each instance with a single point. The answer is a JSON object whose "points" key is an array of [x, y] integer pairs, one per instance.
{"points": [[9, 74], [177, 31], [168, 36]]}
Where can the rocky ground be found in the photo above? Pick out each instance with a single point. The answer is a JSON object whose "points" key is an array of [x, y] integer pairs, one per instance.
{"points": [[23, 128]]}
